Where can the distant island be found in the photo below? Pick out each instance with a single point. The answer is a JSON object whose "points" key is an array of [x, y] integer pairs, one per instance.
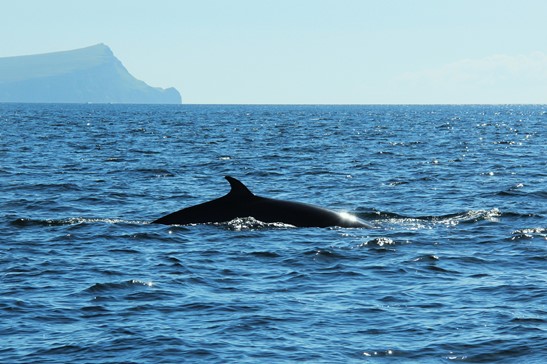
{"points": [[86, 75]]}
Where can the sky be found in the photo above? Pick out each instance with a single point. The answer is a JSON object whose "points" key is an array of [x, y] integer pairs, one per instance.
{"points": [[304, 51]]}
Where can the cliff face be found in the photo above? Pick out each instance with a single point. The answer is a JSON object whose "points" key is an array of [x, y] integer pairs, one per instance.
{"points": [[91, 74]]}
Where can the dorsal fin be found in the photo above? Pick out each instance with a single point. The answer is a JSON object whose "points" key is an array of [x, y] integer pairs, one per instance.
{"points": [[238, 189]]}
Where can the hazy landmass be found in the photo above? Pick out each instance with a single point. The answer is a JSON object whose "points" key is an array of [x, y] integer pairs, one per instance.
{"points": [[86, 75]]}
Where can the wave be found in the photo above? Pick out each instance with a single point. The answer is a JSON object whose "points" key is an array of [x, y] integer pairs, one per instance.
{"points": [[155, 172], [529, 233], [464, 217], [238, 224], [380, 241], [250, 223], [27, 222], [49, 187], [516, 191], [115, 286]]}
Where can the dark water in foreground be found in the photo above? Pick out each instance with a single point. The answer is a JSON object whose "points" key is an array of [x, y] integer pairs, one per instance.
{"points": [[455, 269]]}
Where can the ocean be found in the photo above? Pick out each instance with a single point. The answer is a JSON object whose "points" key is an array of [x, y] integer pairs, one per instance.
{"points": [[453, 270]]}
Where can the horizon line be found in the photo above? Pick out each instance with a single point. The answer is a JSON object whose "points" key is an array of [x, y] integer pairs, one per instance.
{"points": [[280, 104]]}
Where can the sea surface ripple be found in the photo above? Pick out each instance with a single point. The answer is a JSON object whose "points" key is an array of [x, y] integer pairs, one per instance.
{"points": [[454, 270]]}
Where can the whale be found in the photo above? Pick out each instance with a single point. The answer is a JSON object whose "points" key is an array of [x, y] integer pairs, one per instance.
{"points": [[240, 202]]}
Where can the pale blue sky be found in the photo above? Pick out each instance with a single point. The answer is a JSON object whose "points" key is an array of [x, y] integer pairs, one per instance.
{"points": [[304, 51]]}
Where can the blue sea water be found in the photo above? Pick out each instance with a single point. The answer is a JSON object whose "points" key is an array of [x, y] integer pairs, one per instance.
{"points": [[454, 270]]}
